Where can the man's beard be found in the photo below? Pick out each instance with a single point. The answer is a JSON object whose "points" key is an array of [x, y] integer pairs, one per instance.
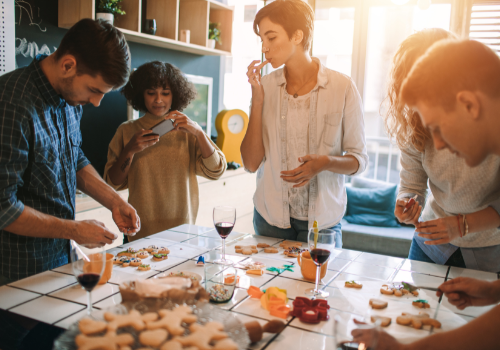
{"points": [[67, 92]]}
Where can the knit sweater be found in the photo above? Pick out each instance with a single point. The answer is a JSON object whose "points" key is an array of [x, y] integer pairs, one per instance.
{"points": [[162, 182], [455, 188]]}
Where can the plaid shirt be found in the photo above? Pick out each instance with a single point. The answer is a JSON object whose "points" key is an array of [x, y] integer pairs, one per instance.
{"points": [[40, 155]]}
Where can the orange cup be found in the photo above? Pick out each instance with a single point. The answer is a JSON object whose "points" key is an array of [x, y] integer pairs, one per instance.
{"points": [[95, 265], [308, 267]]}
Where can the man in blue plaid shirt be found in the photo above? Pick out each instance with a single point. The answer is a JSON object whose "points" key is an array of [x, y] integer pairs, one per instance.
{"points": [[41, 162]]}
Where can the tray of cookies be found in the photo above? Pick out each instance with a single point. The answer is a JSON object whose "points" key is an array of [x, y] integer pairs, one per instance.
{"points": [[156, 323]]}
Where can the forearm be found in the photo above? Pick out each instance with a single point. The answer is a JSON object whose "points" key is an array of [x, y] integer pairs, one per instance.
{"points": [[89, 182], [33, 223], [346, 165], [480, 333], [119, 171], [252, 147], [206, 147], [482, 220]]}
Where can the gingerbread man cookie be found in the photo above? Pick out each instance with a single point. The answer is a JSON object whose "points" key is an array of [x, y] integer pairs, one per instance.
{"points": [[263, 245], [290, 244], [225, 344], [271, 250], [135, 261], [421, 304], [246, 249], [110, 341], [378, 304], [88, 326], [153, 338], [417, 321], [151, 248], [202, 336], [134, 319], [171, 320]]}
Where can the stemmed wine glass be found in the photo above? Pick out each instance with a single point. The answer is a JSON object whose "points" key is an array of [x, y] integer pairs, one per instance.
{"points": [[88, 267], [224, 219], [321, 243]]}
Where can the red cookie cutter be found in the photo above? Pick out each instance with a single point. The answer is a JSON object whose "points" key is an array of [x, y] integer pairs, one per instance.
{"points": [[310, 311]]}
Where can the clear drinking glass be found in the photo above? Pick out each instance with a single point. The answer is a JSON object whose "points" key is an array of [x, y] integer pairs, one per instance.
{"points": [[220, 281], [321, 243], [224, 219], [88, 266]]}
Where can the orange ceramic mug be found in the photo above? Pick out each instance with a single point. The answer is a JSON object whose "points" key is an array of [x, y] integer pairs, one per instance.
{"points": [[308, 267], [95, 265]]}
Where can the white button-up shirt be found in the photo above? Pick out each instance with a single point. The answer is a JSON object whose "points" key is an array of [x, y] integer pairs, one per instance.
{"points": [[336, 128]]}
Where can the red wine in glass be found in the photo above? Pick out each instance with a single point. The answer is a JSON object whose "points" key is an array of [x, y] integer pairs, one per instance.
{"points": [[319, 256], [88, 280], [224, 229]]}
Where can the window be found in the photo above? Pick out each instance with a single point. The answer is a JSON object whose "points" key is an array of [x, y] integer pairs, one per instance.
{"points": [[485, 25]]}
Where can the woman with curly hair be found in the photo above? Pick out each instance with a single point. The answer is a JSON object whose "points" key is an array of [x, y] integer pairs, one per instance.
{"points": [[160, 172], [459, 225]]}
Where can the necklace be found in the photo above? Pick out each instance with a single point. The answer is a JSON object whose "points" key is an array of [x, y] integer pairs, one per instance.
{"points": [[308, 80]]}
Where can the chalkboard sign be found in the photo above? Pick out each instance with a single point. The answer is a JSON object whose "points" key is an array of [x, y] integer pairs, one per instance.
{"points": [[37, 32]]}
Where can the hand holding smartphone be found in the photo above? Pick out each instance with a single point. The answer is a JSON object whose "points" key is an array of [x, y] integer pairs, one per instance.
{"points": [[162, 128]]}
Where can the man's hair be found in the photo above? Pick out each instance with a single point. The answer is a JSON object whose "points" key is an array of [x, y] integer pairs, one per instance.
{"points": [[99, 49], [292, 15], [451, 66], [157, 74]]}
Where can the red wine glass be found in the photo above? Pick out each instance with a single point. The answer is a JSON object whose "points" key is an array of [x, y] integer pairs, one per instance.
{"points": [[88, 266], [321, 244], [224, 219]]}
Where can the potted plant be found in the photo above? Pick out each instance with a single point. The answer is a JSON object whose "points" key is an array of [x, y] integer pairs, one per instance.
{"points": [[106, 9], [213, 34]]}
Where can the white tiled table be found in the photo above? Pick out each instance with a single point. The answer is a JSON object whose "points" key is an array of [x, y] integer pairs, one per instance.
{"points": [[54, 297]]}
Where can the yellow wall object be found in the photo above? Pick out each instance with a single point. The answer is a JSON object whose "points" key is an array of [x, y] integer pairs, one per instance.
{"points": [[228, 141]]}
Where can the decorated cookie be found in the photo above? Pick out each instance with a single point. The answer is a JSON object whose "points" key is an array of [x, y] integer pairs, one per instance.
{"points": [[225, 344], [353, 284], [397, 290], [172, 345], [171, 320], [126, 262], [163, 250], [262, 245], [144, 267], [151, 248], [88, 326], [417, 321], [133, 319], [117, 260], [271, 250], [384, 321], [421, 304], [160, 257], [109, 341], [153, 338], [135, 261], [142, 254], [293, 252], [202, 336], [378, 304], [246, 249], [290, 244]]}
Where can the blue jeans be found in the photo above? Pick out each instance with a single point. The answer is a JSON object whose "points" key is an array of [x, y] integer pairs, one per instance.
{"points": [[416, 253], [298, 231]]}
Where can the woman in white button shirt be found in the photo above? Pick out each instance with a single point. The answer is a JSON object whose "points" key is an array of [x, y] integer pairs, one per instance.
{"points": [[306, 129]]}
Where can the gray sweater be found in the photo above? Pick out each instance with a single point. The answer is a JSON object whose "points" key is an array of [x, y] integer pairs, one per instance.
{"points": [[455, 188]]}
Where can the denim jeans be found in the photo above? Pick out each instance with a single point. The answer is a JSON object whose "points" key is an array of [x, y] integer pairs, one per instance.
{"points": [[416, 253], [298, 231]]}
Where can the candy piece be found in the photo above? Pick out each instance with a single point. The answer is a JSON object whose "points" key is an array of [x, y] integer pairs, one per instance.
{"points": [[201, 261], [255, 292], [281, 311], [273, 296], [255, 272]]}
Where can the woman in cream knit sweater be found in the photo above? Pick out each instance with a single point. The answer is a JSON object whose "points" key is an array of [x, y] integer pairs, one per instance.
{"points": [[160, 172]]}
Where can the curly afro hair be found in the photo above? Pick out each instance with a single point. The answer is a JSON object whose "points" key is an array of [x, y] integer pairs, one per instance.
{"points": [[156, 74]]}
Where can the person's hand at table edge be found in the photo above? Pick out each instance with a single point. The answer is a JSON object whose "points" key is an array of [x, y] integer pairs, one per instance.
{"points": [[463, 292], [126, 218]]}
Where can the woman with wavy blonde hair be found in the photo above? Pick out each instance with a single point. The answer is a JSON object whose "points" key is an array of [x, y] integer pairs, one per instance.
{"points": [[458, 225]]}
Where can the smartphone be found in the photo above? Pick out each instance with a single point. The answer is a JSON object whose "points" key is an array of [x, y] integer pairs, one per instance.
{"points": [[162, 128], [410, 204]]}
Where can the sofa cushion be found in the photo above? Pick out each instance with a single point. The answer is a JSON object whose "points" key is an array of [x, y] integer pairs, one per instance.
{"points": [[371, 206]]}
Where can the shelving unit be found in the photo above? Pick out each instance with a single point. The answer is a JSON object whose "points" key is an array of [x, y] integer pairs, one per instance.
{"points": [[171, 16]]}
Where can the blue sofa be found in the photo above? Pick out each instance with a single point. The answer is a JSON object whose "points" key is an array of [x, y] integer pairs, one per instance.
{"points": [[393, 241]]}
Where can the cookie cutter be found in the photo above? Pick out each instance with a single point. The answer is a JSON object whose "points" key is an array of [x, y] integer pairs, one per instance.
{"points": [[255, 292], [310, 311]]}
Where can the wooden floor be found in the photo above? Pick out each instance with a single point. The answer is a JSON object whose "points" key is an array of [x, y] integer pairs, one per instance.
{"points": [[235, 188]]}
